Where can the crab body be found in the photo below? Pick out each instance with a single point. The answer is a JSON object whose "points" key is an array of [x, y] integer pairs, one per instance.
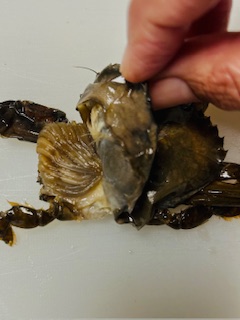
{"points": [[124, 160]]}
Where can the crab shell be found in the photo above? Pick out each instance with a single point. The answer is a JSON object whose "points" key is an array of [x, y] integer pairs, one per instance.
{"points": [[102, 165]]}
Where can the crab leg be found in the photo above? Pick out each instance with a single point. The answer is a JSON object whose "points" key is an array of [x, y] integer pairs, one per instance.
{"points": [[226, 212], [185, 219], [192, 216], [218, 198], [217, 194], [27, 217], [23, 217], [25, 119], [221, 192]]}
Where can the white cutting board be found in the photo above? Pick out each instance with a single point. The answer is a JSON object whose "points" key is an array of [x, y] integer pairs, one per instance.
{"points": [[98, 269]]}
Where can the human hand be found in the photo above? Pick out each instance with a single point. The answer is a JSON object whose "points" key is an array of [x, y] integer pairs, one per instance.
{"points": [[182, 48]]}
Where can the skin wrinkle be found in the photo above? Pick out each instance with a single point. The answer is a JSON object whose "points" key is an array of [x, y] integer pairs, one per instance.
{"points": [[221, 87], [218, 91], [231, 88], [224, 90], [199, 89], [209, 69], [205, 88], [210, 95]]}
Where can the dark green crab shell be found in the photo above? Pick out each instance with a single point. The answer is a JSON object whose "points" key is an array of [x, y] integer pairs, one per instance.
{"points": [[119, 118], [144, 162], [124, 159], [189, 156]]}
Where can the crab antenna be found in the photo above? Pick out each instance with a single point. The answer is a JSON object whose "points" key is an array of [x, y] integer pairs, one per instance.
{"points": [[86, 68]]}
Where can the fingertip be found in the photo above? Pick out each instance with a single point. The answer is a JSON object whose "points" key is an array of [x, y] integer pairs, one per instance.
{"points": [[170, 92]]}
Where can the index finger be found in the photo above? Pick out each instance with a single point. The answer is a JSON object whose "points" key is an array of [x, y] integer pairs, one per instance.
{"points": [[156, 30]]}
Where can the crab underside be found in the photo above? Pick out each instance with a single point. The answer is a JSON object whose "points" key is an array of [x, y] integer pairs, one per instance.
{"points": [[123, 160]]}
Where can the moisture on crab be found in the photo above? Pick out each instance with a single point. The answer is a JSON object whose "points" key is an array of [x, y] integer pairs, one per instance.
{"points": [[124, 160]]}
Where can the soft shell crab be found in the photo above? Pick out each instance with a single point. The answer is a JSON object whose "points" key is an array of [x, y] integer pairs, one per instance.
{"points": [[123, 160]]}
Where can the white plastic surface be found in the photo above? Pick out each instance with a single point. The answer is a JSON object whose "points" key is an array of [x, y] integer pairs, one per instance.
{"points": [[98, 269]]}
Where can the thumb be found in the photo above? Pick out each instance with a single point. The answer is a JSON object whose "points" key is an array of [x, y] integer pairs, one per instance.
{"points": [[207, 68]]}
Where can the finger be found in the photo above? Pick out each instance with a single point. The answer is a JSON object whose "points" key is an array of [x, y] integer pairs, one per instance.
{"points": [[216, 20], [208, 68], [156, 31]]}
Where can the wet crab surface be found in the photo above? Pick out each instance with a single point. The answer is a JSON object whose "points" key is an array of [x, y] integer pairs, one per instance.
{"points": [[123, 160]]}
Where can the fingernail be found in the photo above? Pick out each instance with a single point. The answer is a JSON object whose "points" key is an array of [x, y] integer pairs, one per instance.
{"points": [[170, 92]]}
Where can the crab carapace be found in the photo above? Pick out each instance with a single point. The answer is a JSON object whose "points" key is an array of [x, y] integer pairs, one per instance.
{"points": [[124, 160]]}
